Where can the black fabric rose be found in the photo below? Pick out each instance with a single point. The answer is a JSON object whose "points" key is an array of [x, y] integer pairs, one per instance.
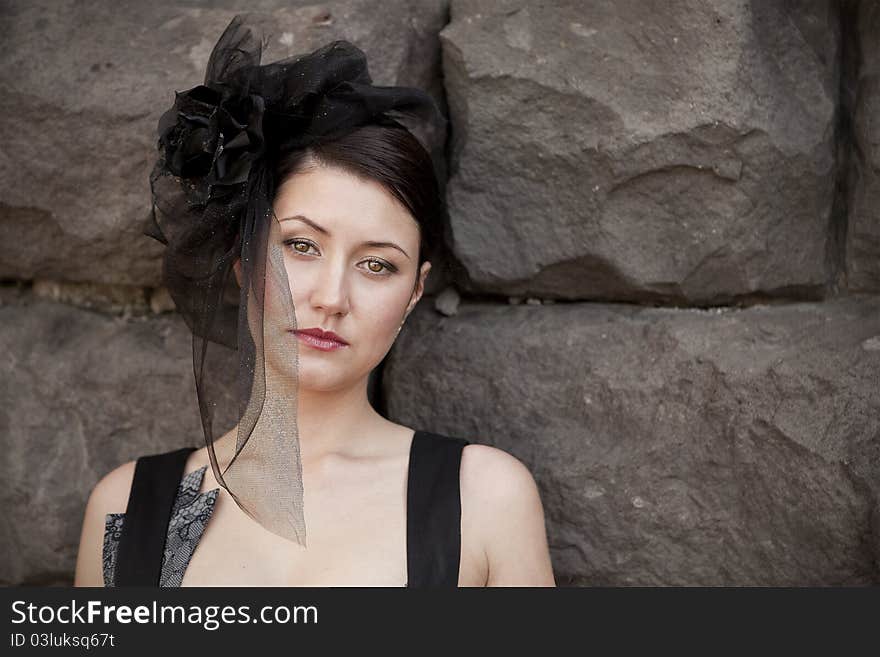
{"points": [[213, 137]]}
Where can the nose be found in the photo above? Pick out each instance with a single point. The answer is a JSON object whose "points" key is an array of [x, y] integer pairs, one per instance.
{"points": [[330, 289]]}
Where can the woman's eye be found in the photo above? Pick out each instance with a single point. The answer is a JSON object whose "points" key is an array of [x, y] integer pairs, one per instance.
{"points": [[296, 244], [381, 266], [375, 266]]}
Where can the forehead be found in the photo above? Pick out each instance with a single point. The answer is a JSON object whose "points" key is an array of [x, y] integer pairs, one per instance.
{"points": [[344, 204]]}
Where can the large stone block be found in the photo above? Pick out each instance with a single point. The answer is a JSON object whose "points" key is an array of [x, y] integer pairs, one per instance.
{"points": [[677, 151], [671, 446], [863, 227]]}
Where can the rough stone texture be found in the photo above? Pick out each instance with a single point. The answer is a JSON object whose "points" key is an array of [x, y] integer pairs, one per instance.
{"points": [[84, 86], [671, 446], [112, 299], [863, 235], [678, 151], [80, 393]]}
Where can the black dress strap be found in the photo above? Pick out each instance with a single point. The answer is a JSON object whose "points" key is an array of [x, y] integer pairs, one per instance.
{"points": [[142, 542], [433, 510]]}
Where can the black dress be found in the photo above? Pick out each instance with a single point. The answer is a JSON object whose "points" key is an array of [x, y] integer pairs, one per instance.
{"points": [[152, 542]]}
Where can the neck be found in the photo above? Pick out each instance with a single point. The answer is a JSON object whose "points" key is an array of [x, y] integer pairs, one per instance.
{"points": [[336, 422], [329, 423]]}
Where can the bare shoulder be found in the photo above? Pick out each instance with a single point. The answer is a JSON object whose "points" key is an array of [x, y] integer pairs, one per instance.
{"points": [[109, 495], [504, 500], [495, 475]]}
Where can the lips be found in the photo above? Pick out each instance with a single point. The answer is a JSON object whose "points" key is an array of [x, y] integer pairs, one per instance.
{"points": [[320, 339], [324, 335]]}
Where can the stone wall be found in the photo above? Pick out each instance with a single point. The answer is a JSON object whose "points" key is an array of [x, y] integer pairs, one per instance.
{"points": [[662, 291]]}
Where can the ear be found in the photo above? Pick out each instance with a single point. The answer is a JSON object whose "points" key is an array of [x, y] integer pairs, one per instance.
{"points": [[419, 287], [236, 266]]}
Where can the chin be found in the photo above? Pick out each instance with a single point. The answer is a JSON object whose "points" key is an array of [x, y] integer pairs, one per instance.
{"points": [[322, 379]]}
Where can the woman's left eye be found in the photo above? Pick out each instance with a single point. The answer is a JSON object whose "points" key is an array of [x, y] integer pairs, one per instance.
{"points": [[371, 262]]}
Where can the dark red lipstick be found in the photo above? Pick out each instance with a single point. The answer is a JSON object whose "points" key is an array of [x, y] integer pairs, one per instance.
{"points": [[320, 339]]}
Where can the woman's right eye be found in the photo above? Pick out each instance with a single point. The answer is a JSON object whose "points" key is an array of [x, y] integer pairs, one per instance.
{"points": [[297, 244]]}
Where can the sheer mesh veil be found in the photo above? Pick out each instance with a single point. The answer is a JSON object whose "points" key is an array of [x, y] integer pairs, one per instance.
{"points": [[212, 189]]}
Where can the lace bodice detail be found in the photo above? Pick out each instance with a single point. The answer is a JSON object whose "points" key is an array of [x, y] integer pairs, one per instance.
{"points": [[189, 516]]}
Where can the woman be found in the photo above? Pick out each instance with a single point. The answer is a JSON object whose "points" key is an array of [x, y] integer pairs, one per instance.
{"points": [[355, 211]]}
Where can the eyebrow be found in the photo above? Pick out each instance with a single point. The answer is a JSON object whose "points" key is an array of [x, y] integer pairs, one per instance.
{"points": [[326, 232]]}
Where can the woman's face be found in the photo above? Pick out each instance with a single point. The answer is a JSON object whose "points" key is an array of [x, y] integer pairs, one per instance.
{"points": [[338, 281]]}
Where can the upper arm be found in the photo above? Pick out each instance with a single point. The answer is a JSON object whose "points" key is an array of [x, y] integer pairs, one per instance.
{"points": [[110, 495], [510, 517]]}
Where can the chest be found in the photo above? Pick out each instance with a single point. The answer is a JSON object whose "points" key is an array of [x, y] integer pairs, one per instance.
{"points": [[360, 542]]}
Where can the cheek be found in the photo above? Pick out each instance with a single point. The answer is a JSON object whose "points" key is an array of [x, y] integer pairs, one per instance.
{"points": [[377, 320], [277, 311], [381, 304], [384, 304]]}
